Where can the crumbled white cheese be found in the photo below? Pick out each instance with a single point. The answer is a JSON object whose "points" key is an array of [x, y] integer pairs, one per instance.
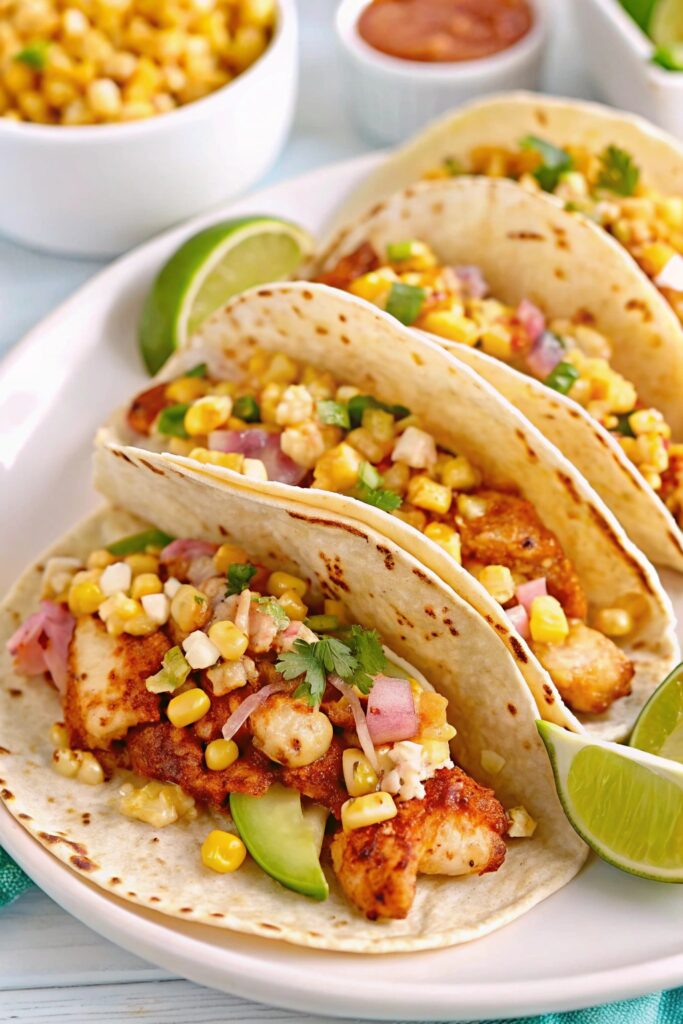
{"points": [[295, 406], [412, 769], [113, 604], [200, 651], [492, 762], [522, 825], [254, 469], [57, 576], [416, 448], [116, 577], [157, 607], [171, 587]]}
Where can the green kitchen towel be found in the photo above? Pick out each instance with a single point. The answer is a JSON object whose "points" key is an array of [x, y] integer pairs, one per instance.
{"points": [[13, 881]]}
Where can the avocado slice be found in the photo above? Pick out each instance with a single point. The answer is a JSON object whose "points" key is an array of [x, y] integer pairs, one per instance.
{"points": [[283, 839]]}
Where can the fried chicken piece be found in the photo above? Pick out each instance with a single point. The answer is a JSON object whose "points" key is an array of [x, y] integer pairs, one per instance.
{"points": [[337, 709], [145, 408], [456, 829], [510, 533], [323, 780], [174, 755], [105, 689], [361, 261], [589, 670]]}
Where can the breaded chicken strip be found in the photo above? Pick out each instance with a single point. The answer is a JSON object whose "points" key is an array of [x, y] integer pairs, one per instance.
{"points": [[589, 670], [105, 690], [456, 830]]}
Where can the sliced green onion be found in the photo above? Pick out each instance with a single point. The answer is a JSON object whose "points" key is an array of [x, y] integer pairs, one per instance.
{"points": [[136, 542], [322, 623], [555, 162], [368, 476], [399, 251], [200, 370], [34, 54], [247, 408], [335, 414], [171, 420], [173, 672], [562, 377], [359, 403], [623, 426], [405, 302]]}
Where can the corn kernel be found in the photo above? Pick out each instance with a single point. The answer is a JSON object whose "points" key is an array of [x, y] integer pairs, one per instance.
{"points": [[227, 460], [654, 257], [337, 469], [397, 477], [459, 474], [614, 621], [220, 754], [649, 421], [362, 441], [547, 622], [522, 825], [447, 538], [451, 326], [498, 581], [223, 851], [413, 516], [188, 707], [141, 563], [137, 625], [496, 341], [374, 287], [190, 608], [229, 639], [84, 598], [78, 764], [158, 804], [426, 493], [371, 809], [229, 554], [471, 506], [144, 584], [100, 559], [59, 737], [281, 370], [207, 414], [359, 775], [293, 605], [186, 389], [337, 609], [380, 425], [279, 582], [436, 751]]}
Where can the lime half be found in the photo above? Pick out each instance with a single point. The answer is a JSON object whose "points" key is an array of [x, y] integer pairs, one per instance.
{"points": [[627, 805], [665, 26], [640, 11], [659, 728], [208, 270]]}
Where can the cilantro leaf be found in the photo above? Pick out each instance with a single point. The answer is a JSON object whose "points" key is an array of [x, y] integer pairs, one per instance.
{"points": [[239, 576], [272, 607], [171, 420], [618, 173], [369, 489], [34, 54], [359, 403], [200, 370], [554, 162], [335, 414], [366, 647], [314, 661]]}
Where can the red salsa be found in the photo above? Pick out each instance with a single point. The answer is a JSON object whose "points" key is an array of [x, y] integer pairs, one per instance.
{"points": [[444, 30]]}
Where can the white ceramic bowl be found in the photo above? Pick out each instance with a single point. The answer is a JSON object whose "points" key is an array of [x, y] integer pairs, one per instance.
{"points": [[618, 54], [97, 190], [391, 98]]}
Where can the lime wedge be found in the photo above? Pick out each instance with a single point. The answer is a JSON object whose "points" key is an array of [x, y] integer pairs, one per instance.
{"points": [[665, 26], [669, 57], [208, 270], [640, 11], [659, 727], [627, 805]]}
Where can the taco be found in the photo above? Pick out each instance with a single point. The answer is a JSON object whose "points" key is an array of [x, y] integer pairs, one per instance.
{"points": [[302, 392], [186, 705], [554, 315]]}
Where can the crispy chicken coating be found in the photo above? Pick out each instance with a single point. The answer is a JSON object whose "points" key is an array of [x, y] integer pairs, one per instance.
{"points": [[361, 261], [105, 689], [145, 408], [510, 533], [323, 780], [589, 670], [456, 829]]}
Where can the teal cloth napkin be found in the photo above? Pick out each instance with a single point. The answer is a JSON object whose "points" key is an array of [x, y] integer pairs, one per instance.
{"points": [[662, 1008]]}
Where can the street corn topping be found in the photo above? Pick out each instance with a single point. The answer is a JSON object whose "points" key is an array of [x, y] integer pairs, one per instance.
{"points": [[156, 803], [80, 765], [569, 357], [223, 851], [104, 62]]}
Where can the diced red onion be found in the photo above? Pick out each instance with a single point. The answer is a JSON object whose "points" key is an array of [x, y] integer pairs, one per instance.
{"points": [[546, 353], [526, 592], [242, 610], [391, 711], [531, 319], [671, 274], [41, 643], [519, 619], [259, 444], [295, 631], [248, 706], [360, 721], [201, 569], [186, 547], [472, 281]]}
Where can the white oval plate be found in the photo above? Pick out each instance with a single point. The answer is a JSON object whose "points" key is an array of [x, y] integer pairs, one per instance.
{"points": [[606, 936]]}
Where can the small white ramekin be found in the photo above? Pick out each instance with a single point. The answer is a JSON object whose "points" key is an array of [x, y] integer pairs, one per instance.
{"points": [[391, 98], [618, 57], [98, 190]]}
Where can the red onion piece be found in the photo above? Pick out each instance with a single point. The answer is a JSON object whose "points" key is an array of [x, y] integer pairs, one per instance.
{"points": [[546, 353], [526, 592], [472, 281], [531, 319], [41, 643], [248, 706], [391, 710], [187, 548], [671, 274], [259, 444], [201, 569], [519, 620], [360, 721]]}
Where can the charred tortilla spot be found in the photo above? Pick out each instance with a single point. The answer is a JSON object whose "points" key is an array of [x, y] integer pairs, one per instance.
{"points": [[25, 817], [4, 750], [318, 521], [221, 529], [322, 331], [517, 649], [186, 910], [264, 293], [342, 318], [512, 709], [217, 913], [13, 692], [417, 359], [7, 794], [389, 561], [270, 927], [430, 611], [521, 436], [151, 468], [568, 484], [420, 575], [437, 209], [559, 274], [307, 294], [155, 899], [345, 340], [51, 839], [526, 236], [584, 316], [83, 863]]}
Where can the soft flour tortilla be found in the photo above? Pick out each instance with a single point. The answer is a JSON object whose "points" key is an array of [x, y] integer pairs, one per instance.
{"points": [[418, 616], [365, 347], [528, 247]]}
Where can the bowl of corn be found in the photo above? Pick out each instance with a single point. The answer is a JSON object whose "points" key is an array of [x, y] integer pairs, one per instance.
{"points": [[121, 117]]}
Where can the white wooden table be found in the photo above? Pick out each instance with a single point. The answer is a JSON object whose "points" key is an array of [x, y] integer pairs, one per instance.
{"points": [[52, 968]]}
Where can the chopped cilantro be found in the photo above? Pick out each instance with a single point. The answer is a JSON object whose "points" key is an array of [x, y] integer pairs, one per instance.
{"points": [[452, 167], [359, 403], [246, 408], [335, 414], [171, 420], [623, 426], [200, 370], [272, 607], [322, 623], [399, 251], [369, 489], [562, 377], [405, 302], [618, 172], [554, 162], [34, 54], [366, 647], [355, 661], [151, 538], [239, 576], [368, 476]]}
